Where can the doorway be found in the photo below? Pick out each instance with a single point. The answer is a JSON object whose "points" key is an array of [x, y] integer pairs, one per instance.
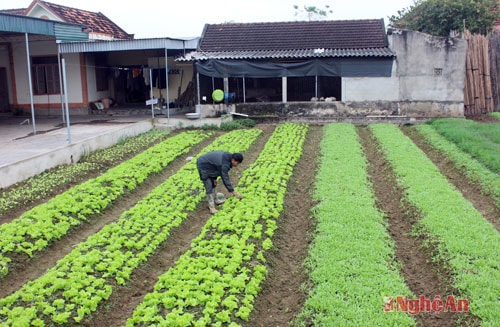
{"points": [[4, 91]]}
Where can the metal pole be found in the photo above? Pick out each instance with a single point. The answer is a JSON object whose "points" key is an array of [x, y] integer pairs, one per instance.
{"points": [[244, 91], [30, 83], [60, 83], [151, 92], [167, 95], [316, 86], [198, 87], [66, 100]]}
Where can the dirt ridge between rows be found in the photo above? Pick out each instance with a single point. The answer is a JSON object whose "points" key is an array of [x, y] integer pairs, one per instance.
{"points": [[283, 295], [124, 299], [470, 190], [422, 276], [23, 268]]}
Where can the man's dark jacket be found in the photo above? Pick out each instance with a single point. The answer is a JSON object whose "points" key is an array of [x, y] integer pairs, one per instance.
{"points": [[215, 164]]}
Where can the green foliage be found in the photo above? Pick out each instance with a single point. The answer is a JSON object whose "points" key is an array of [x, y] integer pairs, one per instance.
{"points": [[465, 241], [480, 140], [350, 258], [210, 127], [313, 12], [440, 17], [220, 275], [231, 125], [43, 185], [247, 122], [495, 114], [37, 228], [475, 170], [79, 282]]}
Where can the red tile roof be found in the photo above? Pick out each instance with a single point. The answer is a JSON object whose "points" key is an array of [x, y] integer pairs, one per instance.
{"points": [[19, 12], [96, 22], [340, 34]]}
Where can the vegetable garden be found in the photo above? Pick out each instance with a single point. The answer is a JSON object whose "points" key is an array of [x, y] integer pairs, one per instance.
{"points": [[339, 225]]}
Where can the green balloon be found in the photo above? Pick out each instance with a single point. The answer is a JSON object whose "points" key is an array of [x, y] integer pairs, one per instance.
{"points": [[218, 95]]}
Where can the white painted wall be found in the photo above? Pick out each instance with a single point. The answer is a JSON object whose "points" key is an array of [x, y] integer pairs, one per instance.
{"points": [[370, 89], [44, 48], [93, 94], [74, 77]]}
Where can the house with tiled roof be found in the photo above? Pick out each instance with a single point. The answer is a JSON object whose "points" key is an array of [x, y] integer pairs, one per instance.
{"points": [[108, 66], [355, 66], [98, 25]]}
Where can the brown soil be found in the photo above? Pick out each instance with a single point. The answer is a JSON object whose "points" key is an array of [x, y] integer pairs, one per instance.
{"points": [[483, 118], [421, 276], [472, 192]]}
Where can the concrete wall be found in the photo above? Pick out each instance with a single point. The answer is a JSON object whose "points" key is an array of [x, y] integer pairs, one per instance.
{"points": [[370, 89], [66, 153], [431, 72]]}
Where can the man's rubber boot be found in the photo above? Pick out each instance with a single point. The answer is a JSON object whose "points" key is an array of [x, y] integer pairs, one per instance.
{"points": [[211, 203], [219, 198]]}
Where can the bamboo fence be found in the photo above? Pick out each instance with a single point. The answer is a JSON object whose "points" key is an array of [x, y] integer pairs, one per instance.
{"points": [[478, 93], [494, 55]]}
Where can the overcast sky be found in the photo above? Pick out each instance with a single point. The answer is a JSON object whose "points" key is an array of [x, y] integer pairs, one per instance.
{"points": [[184, 18]]}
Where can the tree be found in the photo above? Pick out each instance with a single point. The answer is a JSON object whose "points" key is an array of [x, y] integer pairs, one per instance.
{"points": [[313, 12], [442, 17]]}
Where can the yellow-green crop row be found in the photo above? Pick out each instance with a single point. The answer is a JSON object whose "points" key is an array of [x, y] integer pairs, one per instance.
{"points": [[42, 185], [466, 241], [475, 171], [216, 281], [351, 260], [83, 279], [37, 228]]}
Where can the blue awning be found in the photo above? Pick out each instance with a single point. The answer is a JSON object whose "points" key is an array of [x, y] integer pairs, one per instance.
{"points": [[63, 32]]}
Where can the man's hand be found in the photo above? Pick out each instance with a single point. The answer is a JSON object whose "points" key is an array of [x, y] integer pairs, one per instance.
{"points": [[239, 196]]}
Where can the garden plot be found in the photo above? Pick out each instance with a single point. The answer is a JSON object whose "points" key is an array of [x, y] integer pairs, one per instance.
{"points": [[224, 271]]}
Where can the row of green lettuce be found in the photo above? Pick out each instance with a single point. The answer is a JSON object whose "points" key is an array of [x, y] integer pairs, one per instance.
{"points": [[351, 261], [216, 281], [464, 240], [79, 282], [474, 170], [43, 185], [37, 228]]}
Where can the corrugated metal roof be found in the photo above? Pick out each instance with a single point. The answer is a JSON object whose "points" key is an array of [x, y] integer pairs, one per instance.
{"points": [[61, 31], [123, 45], [284, 54]]}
